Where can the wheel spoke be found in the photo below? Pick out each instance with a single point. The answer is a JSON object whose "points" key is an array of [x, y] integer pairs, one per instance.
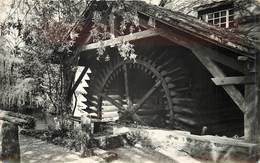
{"points": [[112, 101], [128, 99], [100, 107], [145, 97]]}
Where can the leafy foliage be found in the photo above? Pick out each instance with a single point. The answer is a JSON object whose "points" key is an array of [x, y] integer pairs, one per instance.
{"points": [[126, 50], [102, 24], [32, 34], [13, 88]]}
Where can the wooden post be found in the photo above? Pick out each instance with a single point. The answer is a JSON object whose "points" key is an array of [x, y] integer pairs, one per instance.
{"points": [[86, 136], [258, 97], [112, 25], [9, 138], [9, 142], [252, 111], [75, 86]]}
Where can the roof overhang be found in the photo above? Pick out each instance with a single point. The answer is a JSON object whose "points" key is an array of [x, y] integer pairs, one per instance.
{"points": [[191, 26]]}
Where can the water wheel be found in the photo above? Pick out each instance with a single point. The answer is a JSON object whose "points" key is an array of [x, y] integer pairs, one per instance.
{"points": [[149, 91]]}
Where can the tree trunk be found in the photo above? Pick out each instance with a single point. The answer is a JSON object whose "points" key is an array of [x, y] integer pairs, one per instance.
{"points": [[67, 77]]}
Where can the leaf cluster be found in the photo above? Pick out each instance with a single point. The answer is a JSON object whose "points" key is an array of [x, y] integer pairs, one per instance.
{"points": [[102, 29]]}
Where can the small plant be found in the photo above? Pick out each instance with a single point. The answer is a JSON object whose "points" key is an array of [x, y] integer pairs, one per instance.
{"points": [[139, 139]]}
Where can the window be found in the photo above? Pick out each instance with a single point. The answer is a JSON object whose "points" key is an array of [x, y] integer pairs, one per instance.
{"points": [[223, 18], [220, 14]]}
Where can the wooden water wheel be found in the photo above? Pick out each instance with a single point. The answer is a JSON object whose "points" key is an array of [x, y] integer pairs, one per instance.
{"points": [[151, 91], [166, 87]]}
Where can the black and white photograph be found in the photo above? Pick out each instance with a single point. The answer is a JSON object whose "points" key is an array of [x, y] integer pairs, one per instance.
{"points": [[129, 81]]}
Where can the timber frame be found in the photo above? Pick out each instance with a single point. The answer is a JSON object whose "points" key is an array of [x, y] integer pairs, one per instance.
{"points": [[204, 41]]}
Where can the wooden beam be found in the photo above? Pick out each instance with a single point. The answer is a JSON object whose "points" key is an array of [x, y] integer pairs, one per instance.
{"points": [[233, 80], [120, 39], [231, 90], [257, 98], [128, 98], [145, 97], [227, 61], [174, 37], [214, 55], [252, 114], [251, 121], [112, 24], [75, 86], [17, 118]]}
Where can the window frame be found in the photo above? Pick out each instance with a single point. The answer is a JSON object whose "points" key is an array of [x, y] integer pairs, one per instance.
{"points": [[229, 13]]}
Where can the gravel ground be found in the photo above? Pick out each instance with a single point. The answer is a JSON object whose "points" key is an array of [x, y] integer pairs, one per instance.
{"points": [[38, 151]]}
